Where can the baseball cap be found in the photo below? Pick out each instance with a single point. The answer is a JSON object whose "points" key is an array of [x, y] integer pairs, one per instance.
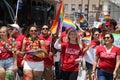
{"points": [[15, 26], [108, 23]]}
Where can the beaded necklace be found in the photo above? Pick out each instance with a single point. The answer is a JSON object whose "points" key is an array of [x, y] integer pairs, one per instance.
{"points": [[33, 44], [9, 45]]}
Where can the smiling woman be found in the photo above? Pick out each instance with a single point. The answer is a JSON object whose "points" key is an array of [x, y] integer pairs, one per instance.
{"points": [[108, 56], [33, 65], [71, 50], [8, 58]]}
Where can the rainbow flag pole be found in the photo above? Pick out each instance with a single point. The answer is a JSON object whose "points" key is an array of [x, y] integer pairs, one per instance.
{"points": [[57, 23]]}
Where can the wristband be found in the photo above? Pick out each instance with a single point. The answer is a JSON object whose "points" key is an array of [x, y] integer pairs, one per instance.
{"points": [[93, 72]]}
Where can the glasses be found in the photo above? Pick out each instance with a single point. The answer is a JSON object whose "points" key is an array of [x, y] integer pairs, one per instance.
{"points": [[33, 30], [106, 37], [97, 34], [44, 28]]}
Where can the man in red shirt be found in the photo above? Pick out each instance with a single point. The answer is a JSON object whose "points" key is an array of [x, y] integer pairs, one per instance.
{"points": [[48, 61], [15, 33]]}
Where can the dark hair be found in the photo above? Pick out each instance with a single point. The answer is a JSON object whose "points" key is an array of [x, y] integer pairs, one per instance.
{"points": [[111, 36], [46, 25], [113, 22], [95, 30], [28, 29]]}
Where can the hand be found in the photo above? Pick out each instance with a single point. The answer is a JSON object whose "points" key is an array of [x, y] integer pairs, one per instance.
{"points": [[50, 54], [114, 74], [93, 76], [15, 68], [78, 60]]}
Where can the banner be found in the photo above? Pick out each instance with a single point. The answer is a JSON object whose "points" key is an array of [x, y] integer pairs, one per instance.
{"points": [[116, 39], [97, 24]]}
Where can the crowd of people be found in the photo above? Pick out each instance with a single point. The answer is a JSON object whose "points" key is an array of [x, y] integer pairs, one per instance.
{"points": [[47, 56]]}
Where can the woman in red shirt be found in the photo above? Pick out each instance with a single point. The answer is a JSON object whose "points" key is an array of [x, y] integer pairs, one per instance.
{"points": [[33, 63], [107, 59], [8, 58], [71, 51]]}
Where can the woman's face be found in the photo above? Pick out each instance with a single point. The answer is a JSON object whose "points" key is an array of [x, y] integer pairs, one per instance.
{"points": [[96, 35], [3, 32], [72, 36], [33, 32], [107, 39]]}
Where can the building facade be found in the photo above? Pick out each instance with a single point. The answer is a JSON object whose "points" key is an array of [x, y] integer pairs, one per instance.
{"points": [[112, 7], [87, 7]]}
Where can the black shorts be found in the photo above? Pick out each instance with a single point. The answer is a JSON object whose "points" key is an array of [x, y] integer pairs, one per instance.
{"points": [[20, 71], [89, 66]]}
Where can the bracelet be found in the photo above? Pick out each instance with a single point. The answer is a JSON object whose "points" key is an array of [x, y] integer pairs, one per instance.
{"points": [[93, 72]]}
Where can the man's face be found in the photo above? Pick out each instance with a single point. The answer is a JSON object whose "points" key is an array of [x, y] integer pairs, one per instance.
{"points": [[109, 28], [45, 29], [13, 31]]}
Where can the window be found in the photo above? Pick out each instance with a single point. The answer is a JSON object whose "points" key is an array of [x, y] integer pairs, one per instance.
{"points": [[100, 7], [93, 7], [80, 8], [66, 7], [86, 7], [73, 7]]}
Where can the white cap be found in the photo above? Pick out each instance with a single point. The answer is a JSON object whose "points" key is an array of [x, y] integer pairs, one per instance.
{"points": [[15, 26]]}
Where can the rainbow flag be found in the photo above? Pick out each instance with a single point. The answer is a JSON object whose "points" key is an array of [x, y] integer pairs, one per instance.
{"points": [[68, 23], [107, 16], [56, 26], [40, 54], [86, 39], [82, 20], [101, 40]]}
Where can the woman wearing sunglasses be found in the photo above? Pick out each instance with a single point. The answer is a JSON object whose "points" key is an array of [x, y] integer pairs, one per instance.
{"points": [[33, 64], [107, 59], [90, 53]]}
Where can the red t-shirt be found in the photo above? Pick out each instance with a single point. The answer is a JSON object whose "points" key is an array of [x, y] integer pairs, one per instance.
{"points": [[94, 44], [70, 53], [5, 50], [48, 61], [107, 60], [19, 41], [63, 36], [29, 44]]}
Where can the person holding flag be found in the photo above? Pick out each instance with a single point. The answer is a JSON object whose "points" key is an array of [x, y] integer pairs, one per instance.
{"points": [[48, 60], [34, 54], [71, 50]]}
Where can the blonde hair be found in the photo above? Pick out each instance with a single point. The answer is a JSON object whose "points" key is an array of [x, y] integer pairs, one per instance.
{"points": [[68, 39], [78, 41]]}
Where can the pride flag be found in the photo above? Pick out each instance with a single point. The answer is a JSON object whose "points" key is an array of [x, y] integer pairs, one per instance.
{"points": [[56, 26], [68, 23], [40, 53], [82, 20], [101, 40], [107, 16], [86, 39]]}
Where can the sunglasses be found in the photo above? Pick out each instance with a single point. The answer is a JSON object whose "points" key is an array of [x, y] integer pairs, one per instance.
{"points": [[33, 30], [106, 37], [44, 28], [97, 34]]}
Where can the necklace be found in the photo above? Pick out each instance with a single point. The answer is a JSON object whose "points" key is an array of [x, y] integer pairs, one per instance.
{"points": [[9, 45], [33, 44]]}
